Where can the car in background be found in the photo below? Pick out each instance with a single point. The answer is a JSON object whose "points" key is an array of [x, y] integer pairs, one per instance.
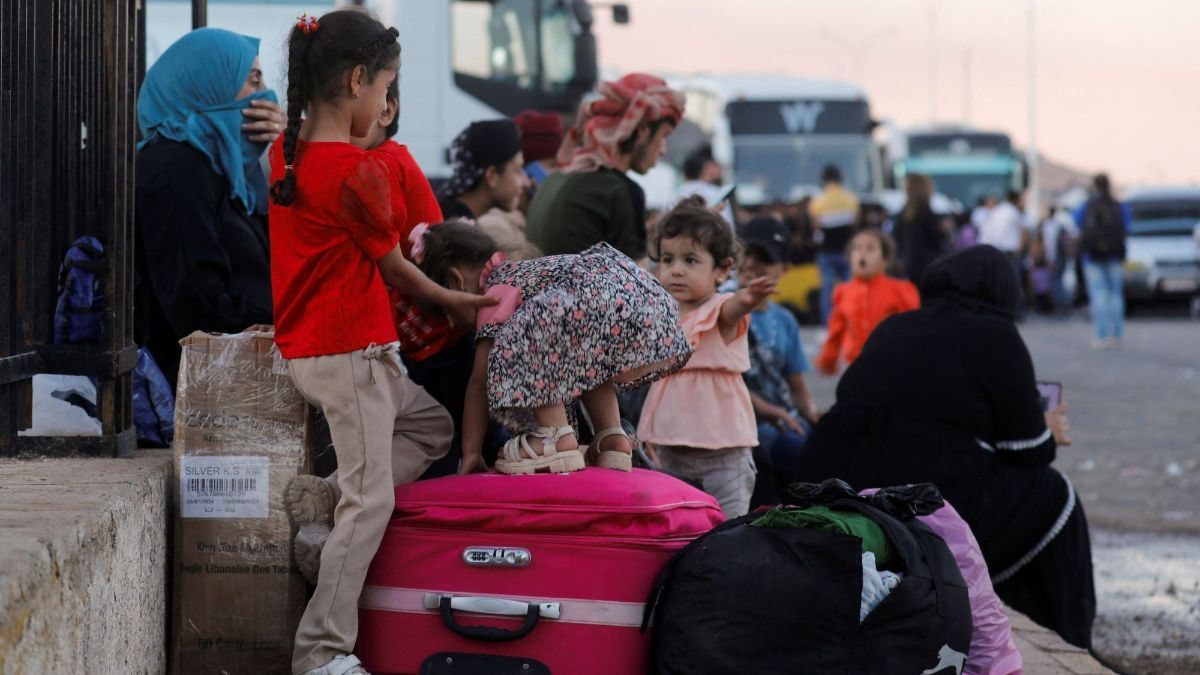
{"points": [[1163, 249]]}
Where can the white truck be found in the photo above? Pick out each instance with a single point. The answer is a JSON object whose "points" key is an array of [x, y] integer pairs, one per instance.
{"points": [[461, 60]]}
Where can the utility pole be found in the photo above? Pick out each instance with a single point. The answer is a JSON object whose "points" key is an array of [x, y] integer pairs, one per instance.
{"points": [[932, 7], [966, 86], [1031, 154], [199, 14]]}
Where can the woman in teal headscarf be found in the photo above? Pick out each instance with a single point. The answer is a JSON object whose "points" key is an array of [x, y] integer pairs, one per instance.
{"points": [[203, 259]]}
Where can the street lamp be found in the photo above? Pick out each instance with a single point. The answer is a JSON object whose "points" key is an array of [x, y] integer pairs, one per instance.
{"points": [[931, 7], [1031, 154]]}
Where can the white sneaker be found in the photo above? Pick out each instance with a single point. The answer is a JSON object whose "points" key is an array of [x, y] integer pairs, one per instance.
{"points": [[346, 664], [1099, 345]]}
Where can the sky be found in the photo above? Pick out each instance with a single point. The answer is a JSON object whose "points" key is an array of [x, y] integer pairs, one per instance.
{"points": [[1117, 81]]}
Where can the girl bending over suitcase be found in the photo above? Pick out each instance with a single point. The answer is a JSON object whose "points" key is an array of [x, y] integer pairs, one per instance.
{"points": [[567, 327]]}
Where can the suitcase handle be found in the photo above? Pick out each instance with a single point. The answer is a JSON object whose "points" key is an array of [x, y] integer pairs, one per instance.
{"points": [[446, 605]]}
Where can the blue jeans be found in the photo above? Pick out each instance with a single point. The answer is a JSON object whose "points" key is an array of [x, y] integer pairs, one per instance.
{"points": [[777, 457], [834, 270], [1106, 297]]}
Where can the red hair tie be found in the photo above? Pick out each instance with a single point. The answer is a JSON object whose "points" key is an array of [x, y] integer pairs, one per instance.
{"points": [[307, 24]]}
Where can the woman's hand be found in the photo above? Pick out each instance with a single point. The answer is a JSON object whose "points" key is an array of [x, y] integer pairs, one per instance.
{"points": [[264, 121], [1059, 425]]}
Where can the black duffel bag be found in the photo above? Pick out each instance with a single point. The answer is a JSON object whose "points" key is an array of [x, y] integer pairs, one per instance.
{"points": [[744, 599]]}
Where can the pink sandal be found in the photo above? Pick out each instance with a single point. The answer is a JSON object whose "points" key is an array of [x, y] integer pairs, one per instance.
{"points": [[519, 457]]}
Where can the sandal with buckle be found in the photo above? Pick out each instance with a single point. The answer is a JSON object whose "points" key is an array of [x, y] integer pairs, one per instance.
{"points": [[519, 457], [610, 459]]}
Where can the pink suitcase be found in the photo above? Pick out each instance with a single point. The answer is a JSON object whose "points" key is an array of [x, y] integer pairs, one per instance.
{"points": [[525, 574]]}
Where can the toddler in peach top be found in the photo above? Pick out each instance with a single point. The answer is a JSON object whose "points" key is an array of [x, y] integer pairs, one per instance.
{"points": [[699, 421]]}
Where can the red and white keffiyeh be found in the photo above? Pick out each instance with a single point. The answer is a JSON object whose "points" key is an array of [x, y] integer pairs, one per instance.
{"points": [[604, 122]]}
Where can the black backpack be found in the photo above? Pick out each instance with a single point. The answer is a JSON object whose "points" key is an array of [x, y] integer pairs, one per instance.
{"points": [[765, 600], [1103, 235]]}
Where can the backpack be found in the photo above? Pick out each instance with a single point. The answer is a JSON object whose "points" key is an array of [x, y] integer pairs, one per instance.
{"points": [[153, 402], [78, 315], [1103, 234], [80, 305], [767, 600]]}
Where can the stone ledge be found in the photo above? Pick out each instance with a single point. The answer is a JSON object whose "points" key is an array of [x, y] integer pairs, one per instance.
{"points": [[1045, 653], [83, 546]]}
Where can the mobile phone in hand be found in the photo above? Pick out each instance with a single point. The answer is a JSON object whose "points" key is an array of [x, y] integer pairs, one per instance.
{"points": [[1051, 394]]}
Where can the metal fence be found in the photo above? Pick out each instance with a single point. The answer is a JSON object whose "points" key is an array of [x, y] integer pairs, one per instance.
{"points": [[68, 77]]}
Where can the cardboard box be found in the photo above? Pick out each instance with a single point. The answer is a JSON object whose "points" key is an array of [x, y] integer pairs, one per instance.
{"points": [[241, 432]]}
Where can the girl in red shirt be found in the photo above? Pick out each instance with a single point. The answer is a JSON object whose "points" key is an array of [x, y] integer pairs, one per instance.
{"points": [[868, 298], [334, 252]]}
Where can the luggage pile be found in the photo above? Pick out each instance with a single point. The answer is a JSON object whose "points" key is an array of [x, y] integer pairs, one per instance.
{"points": [[603, 572]]}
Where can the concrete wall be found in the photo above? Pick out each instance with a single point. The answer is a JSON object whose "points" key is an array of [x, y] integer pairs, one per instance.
{"points": [[83, 557]]}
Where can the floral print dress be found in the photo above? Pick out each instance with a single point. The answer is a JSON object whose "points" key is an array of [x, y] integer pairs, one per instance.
{"points": [[568, 323]]}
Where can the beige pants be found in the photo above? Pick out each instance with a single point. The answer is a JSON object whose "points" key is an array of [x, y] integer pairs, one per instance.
{"points": [[386, 431], [727, 474]]}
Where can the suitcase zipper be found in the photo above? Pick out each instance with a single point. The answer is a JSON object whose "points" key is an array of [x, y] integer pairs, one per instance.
{"points": [[657, 544]]}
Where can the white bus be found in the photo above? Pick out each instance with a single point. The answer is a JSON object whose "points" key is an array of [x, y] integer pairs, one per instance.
{"points": [[774, 135]]}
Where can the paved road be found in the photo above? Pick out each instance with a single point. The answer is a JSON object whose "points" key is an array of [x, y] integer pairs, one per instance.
{"points": [[1135, 418]]}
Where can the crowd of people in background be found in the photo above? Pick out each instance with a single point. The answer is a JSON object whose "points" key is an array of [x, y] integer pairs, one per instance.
{"points": [[549, 289]]}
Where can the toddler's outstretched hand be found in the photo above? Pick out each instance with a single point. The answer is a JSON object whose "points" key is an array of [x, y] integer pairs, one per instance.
{"points": [[756, 291]]}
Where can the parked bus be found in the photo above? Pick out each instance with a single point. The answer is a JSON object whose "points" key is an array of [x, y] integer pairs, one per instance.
{"points": [[965, 164], [774, 135]]}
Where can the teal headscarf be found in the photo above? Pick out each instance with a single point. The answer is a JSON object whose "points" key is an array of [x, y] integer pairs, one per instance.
{"points": [[189, 96]]}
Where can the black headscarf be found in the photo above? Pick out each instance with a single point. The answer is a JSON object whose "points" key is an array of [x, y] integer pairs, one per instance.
{"points": [[479, 146], [981, 278]]}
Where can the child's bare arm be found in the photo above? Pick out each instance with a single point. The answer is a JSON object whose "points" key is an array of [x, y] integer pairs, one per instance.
{"points": [[802, 396], [475, 412], [399, 273], [741, 304], [775, 414]]}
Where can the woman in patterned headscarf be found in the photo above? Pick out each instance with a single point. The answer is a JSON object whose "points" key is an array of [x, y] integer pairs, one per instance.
{"points": [[624, 128], [489, 171]]}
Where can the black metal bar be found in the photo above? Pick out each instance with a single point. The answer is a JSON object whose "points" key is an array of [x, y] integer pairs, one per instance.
{"points": [[115, 445], [199, 14], [89, 360], [19, 367]]}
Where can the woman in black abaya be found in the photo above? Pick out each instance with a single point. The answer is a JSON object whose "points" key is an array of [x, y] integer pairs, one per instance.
{"points": [[947, 394]]}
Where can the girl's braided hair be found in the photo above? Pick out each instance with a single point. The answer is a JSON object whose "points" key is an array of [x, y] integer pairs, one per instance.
{"points": [[317, 60]]}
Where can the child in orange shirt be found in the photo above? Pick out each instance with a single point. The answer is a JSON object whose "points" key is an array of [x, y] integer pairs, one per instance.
{"points": [[864, 301]]}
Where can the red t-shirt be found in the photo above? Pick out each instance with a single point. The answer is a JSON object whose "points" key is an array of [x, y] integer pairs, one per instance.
{"points": [[329, 295], [423, 331]]}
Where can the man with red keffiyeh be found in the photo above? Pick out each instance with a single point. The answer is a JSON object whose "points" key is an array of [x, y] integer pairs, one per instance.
{"points": [[624, 128]]}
